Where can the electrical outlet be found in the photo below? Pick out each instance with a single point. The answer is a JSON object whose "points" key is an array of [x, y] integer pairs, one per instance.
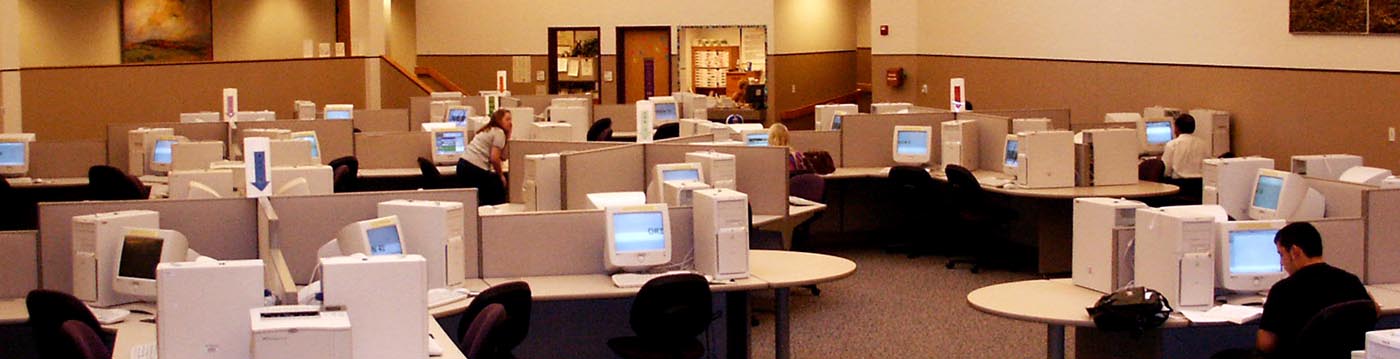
{"points": [[1392, 134], [794, 88], [923, 89]]}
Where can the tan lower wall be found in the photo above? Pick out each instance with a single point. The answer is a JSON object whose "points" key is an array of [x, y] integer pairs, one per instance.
{"points": [[816, 77], [1276, 113], [78, 102], [396, 88], [863, 64]]}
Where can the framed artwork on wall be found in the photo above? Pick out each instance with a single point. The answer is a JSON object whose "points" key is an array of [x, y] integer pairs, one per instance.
{"points": [[167, 30]]}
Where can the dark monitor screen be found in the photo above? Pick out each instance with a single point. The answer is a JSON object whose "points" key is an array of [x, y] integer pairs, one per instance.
{"points": [[140, 256]]}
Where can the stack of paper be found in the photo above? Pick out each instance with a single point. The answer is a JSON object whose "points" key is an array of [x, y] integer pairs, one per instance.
{"points": [[1237, 314]]}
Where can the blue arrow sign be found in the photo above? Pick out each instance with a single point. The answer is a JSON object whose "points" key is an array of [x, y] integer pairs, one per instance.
{"points": [[260, 170]]}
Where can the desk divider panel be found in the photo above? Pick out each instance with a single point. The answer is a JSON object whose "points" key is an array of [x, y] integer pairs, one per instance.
{"points": [[20, 274], [385, 120], [1382, 207], [829, 141], [541, 102], [518, 149], [1081, 126], [1343, 198], [688, 139], [624, 116], [307, 222], [1059, 117], [224, 229], [65, 159], [761, 172], [392, 149], [1344, 239], [866, 139], [560, 242], [335, 137], [921, 109], [117, 137], [991, 137], [611, 169]]}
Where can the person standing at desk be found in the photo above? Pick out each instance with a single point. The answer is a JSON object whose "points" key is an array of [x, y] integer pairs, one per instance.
{"points": [[1182, 155], [481, 164]]}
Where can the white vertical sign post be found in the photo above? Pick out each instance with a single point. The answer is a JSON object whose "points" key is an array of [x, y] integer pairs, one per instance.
{"points": [[646, 114], [257, 162], [501, 81], [230, 104], [957, 92]]}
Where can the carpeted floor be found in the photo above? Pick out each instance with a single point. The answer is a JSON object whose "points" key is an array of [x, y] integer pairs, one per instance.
{"points": [[895, 307]]}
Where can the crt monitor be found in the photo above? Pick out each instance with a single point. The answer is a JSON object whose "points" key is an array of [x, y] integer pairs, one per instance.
{"points": [[1248, 259], [638, 237], [449, 145], [310, 136], [1156, 132], [673, 172], [14, 154], [375, 237], [836, 121], [1013, 144], [339, 112], [458, 115], [666, 108], [161, 153], [754, 138], [911, 144], [1283, 195], [142, 249]]}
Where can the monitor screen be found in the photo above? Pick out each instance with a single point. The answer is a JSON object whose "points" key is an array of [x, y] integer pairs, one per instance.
{"points": [[836, 122], [666, 111], [1011, 148], [140, 256], [1158, 132], [1253, 251], [12, 153], [384, 240], [680, 175], [337, 115], [161, 152], [451, 142], [315, 147], [756, 139], [638, 232], [457, 116], [912, 143], [1266, 192]]}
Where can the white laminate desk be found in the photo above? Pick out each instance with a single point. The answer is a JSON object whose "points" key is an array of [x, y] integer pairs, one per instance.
{"points": [[51, 182], [799, 210], [1059, 303], [403, 172]]}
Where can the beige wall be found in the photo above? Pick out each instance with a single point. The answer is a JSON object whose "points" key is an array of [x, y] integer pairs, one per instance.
{"points": [[270, 29], [68, 33], [804, 26], [903, 19], [863, 29], [403, 33]]}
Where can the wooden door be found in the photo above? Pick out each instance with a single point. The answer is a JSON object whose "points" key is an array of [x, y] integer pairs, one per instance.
{"points": [[645, 55]]}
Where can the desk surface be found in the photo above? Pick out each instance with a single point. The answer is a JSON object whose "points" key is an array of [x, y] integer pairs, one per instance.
{"points": [[51, 182], [403, 172], [1140, 189]]}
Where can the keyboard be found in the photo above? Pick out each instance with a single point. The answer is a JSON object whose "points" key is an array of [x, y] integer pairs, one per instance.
{"points": [[144, 351], [634, 280], [993, 182], [109, 316], [441, 296]]}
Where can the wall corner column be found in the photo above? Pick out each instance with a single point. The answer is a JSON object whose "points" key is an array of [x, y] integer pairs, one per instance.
{"points": [[10, 119]]}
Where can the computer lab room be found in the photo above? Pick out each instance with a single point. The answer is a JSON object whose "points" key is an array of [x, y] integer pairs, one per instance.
{"points": [[699, 179]]}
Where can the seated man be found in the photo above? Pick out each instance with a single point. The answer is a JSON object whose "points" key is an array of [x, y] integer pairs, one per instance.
{"points": [[1182, 155], [1311, 286]]}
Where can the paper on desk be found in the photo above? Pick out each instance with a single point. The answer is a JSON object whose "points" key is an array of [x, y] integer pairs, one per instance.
{"points": [[1237, 314]]}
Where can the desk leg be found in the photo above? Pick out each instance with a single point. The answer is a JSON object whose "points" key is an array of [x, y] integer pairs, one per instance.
{"points": [[1055, 341], [781, 323], [737, 327]]}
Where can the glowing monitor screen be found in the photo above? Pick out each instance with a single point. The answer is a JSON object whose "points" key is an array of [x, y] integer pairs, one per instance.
{"points": [[680, 175], [836, 122], [1254, 252], [161, 152], [452, 142], [1266, 192], [140, 255], [638, 232], [315, 147], [756, 139], [457, 116], [337, 115], [11, 154], [912, 143], [666, 111], [384, 240], [1011, 148], [1158, 132]]}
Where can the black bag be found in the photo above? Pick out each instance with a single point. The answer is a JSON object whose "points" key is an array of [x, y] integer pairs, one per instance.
{"points": [[1134, 309], [819, 162]]}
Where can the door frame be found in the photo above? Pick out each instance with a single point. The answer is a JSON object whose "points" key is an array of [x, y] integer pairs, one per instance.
{"points": [[553, 56], [621, 64]]}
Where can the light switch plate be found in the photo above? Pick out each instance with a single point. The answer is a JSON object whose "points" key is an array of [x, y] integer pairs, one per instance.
{"points": [[539, 75]]}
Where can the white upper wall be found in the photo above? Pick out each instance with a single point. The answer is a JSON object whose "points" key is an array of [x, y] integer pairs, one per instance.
{"points": [[862, 29], [520, 27], [802, 26], [1207, 32], [902, 16]]}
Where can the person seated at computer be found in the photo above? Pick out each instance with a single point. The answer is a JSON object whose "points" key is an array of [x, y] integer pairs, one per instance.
{"points": [[1182, 155], [778, 137], [485, 155]]}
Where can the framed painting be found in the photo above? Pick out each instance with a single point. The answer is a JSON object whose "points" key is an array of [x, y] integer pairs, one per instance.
{"points": [[167, 30], [1327, 16]]}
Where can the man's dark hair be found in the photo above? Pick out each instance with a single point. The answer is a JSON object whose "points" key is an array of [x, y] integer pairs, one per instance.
{"points": [[1185, 124], [1302, 235]]}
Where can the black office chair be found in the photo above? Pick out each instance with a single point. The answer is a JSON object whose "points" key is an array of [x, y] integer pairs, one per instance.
{"points": [[974, 220], [346, 174], [667, 130], [85, 341], [601, 130], [916, 194], [1335, 331], [485, 331], [1152, 169], [432, 178], [515, 298], [48, 312], [107, 183], [667, 315], [17, 210]]}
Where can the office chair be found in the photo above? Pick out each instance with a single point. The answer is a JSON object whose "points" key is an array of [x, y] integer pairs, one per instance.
{"points": [[515, 298], [49, 311], [667, 315], [973, 216], [484, 330], [1152, 169], [107, 183], [489, 189], [432, 178], [85, 341], [345, 174], [601, 130], [17, 210], [667, 130], [915, 194], [1335, 331]]}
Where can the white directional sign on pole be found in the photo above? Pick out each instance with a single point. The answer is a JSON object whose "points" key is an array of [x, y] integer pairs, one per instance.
{"points": [[230, 105], [257, 162]]}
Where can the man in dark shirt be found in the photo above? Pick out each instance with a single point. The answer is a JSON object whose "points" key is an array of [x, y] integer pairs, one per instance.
{"points": [[1311, 286]]}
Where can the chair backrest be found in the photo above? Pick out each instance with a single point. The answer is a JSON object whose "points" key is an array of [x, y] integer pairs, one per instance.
{"points": [[432, 178], [48, 311], [515, 298], [85, 341], [345, 173], [484, 329], [672, 307], [667, 130], [1336, 330], [962, 185], [108, 183], [595, 132], [808, 186], [1152, 169]]}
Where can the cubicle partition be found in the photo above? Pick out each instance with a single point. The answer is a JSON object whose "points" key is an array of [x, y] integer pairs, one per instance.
{"points": [[20, 274], [829, 141], [224, 228], [707, 137], [866, 140], [518, 149], [1345, 241], [385, 120], [560, 242], [392, 149], [64, 159], [307, 222], [335, 137], [610, 169], [1381, 207], [624, 116], [541, 102], [991, 137], [1059, 117], [761, 172], [117, 136]]}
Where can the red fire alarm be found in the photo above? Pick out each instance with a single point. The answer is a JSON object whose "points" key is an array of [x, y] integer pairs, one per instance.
{"points": [[884, 30]]}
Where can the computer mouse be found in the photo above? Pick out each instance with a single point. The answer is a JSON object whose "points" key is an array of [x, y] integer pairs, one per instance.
{"points": [[1008, 185]]}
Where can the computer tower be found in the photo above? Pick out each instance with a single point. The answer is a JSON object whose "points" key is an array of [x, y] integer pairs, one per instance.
{"points": [[1103, 242], [387, 300], [96, 241], [1228, 181], [1213, 126], [577, 117], [960, 143], [1045, 160], [434, 230], [1323, 166], [1174, 253], [718, 167], [541, 190], [680, 194], [1110, 157], [722, 233], [204, 308], [552, 131]]}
